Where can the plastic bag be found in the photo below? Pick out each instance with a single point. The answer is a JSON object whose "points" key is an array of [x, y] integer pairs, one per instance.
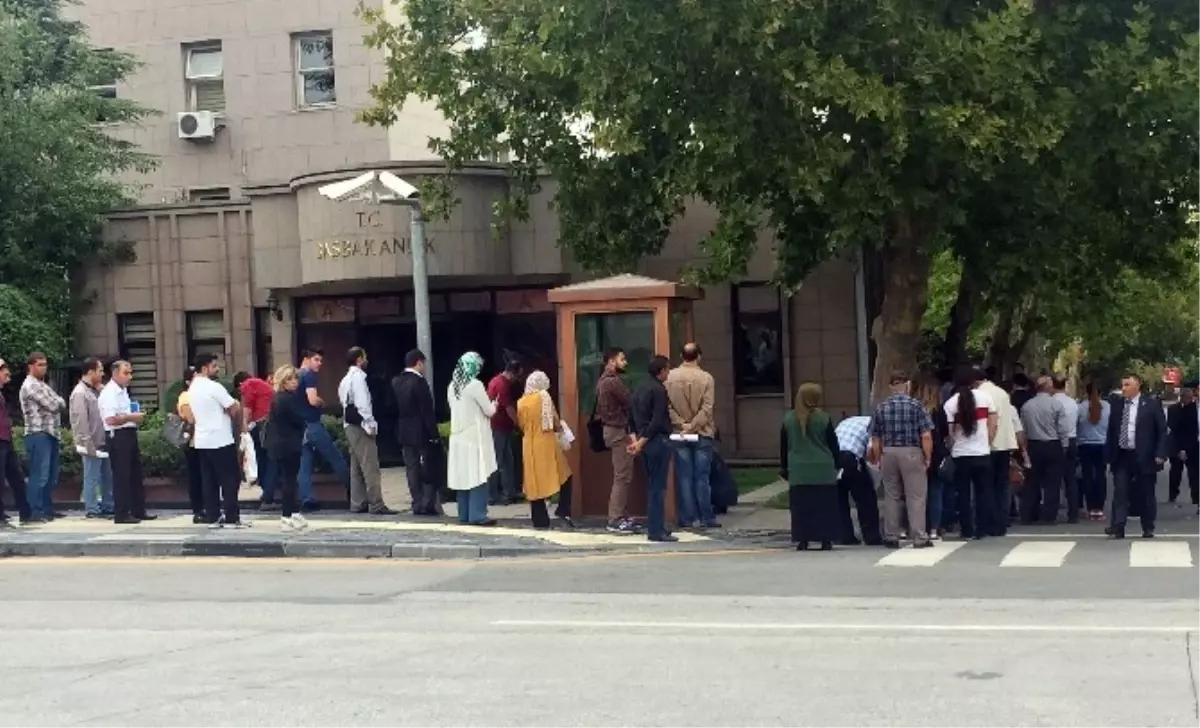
{"points": [[249, 458], [565, 437]]}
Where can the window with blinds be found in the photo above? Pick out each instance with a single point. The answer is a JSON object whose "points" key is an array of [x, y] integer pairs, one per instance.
{"points": [[206, 335], [138, 345], [205, 74]]}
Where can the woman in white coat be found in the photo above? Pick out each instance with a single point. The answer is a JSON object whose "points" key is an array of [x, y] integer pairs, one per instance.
{"points": [[472, 456]]}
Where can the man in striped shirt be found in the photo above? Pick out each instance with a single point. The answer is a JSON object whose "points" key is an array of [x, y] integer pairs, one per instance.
{"points": [[853, 436]]}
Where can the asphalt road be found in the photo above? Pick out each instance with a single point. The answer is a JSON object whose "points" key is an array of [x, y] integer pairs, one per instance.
{"points": [[768, 638]]}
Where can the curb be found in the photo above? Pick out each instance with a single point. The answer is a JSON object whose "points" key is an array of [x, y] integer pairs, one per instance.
{"points": [[167, 547]]}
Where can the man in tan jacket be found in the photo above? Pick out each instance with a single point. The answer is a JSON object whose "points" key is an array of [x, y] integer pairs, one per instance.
{"points": [[690, 391]]}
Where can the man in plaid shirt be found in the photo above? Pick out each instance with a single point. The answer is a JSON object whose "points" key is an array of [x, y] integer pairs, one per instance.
{"points": [[901, 438], [42, 408], [853, 436]]}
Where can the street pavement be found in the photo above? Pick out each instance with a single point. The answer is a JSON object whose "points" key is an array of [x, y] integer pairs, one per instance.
{"points": [[765, 637]]}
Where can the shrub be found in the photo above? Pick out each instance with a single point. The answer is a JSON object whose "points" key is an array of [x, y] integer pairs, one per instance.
{"points": [[160, 459], [171, 396]]}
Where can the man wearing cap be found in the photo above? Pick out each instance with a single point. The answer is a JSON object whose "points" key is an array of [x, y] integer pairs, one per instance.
{"points": [[10, 468], [902, 439]]}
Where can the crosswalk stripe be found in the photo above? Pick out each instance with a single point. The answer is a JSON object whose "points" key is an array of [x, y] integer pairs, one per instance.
{"points": [[1163, 554], [921, 557], [1038, 554]]}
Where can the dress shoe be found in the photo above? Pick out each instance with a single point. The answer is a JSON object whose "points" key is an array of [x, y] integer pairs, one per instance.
{"points": [[199, 520], [663, 538], [827, 546], [33, 521], [358, 511], [127, 521], [60, 514], [147, 517], [385, 511], [1147, 534], [890, 544], [923, 544], [95, 516], [1114, 533], [484, 522]]}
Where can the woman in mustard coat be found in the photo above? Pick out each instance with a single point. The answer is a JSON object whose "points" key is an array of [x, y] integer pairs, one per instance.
{"points": [[546, 469]]}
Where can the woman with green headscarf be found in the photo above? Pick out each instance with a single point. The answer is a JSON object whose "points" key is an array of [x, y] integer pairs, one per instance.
{"points": [[472, 456]]}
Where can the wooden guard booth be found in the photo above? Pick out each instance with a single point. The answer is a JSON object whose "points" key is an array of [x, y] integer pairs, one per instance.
{"points": [[644, 317]]}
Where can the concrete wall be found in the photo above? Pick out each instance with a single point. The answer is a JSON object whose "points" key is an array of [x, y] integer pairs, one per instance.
{"points": [[267, 137]]}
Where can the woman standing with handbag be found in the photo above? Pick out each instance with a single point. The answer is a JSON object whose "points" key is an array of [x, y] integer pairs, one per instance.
{"points": [[542, 444]]}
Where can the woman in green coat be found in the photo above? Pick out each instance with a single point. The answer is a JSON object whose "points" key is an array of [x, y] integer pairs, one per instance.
{"points": [[808, 450]]}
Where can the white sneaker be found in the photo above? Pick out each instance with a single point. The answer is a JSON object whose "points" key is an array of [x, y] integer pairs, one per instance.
{"points": [[286, 524], [299, 522]]}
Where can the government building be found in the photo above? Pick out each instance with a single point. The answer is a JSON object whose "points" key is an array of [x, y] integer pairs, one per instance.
{"points": [[237, 253]]}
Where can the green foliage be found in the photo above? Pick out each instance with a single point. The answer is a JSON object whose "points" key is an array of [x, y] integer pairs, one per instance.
{"points": [[1035, 140], [160, 459], [27, 326], [170, 397], [59, 166]]}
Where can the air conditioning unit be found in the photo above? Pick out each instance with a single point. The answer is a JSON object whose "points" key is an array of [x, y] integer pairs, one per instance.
{"points": [[196, 125]]}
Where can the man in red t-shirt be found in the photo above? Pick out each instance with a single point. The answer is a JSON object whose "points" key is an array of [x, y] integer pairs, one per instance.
{"points": [[504, 485], [255, 395]]}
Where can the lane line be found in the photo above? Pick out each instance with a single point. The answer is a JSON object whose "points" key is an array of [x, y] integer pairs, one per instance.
{"points": [[1038, 554], [921, 557], [1160, 554], [848, 627]]}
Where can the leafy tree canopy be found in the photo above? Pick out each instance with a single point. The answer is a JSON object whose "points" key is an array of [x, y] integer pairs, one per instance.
{"points": [[907, 125], [58, 159]]}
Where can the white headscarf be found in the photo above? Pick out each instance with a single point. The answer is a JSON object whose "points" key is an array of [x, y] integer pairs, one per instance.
{"points": [[540, 383]]}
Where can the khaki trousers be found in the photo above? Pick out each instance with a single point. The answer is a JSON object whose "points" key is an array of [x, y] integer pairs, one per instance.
{"points": [[365, 489], [617, 439], [904, 477]]}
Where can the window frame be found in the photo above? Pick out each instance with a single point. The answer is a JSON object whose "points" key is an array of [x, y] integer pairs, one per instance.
{"points": [[263, 341], [740, 387], [300, 74], [149, 347], [215, 193], [193, 344], [193, 82]]}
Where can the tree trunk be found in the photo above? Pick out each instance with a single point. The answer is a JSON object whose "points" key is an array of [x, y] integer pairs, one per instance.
{"points": [[998, 350], [954, 344], [1017, 350], [897, 329]]}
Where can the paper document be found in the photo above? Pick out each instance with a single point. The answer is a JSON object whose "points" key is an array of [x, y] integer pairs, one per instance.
{"points": [[83, 451], [677, 437]]}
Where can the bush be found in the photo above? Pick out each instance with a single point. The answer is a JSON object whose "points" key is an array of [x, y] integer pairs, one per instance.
{"points": [[160, 459], [171, 396]]}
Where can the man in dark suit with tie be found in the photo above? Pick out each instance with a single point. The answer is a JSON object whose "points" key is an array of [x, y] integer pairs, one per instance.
{"points": [[416, 431], [1136, 450]]}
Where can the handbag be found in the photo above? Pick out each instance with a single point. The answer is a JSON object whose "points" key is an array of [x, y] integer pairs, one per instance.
{"points": [[350, 412], [946, 470], [176, 430], [1016, 474], [595, 430]]}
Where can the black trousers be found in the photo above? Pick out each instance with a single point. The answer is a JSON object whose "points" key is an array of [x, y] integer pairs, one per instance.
{"points": [[421, 487], [287, 469], [539, 510], [1001, 494], [1040, 495], [1070, 483], [129, 493], [195, 480], [1132, 484], [222, 477], [973, 473], [1193, 467], [1095, 477], [10, 470], [856, 483], [1175, 477]]}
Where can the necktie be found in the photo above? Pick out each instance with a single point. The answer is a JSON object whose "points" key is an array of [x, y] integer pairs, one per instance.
{"points": [[1125, 414]]}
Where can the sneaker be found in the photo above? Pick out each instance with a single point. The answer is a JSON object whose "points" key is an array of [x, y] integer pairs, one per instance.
{"points": [[219, 523], [299, 522], [286, 525]]}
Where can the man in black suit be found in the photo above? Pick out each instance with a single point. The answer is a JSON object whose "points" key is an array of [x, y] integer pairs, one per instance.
{"points": [[416, 431], [1136, 450], [1185, 441]]}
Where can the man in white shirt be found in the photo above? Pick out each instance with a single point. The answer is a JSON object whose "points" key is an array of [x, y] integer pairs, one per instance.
{"points": [[121, 418], [1071, 450], [1004, 444], [215, 412], [358, 417]]}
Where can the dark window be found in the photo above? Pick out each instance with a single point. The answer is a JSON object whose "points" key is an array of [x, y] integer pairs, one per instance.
{"points": [[138, 344], [758, 339], [206, 334], [264, 362], [208, 194]]}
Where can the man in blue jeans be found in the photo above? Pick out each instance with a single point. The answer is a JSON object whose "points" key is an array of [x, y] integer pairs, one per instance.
{"points": [[690, 394], [652, 428], [42, 409], [317, 440]]}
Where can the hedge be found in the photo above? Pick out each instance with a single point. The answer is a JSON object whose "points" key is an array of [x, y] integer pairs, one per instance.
{"points": [[160, 459]]}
